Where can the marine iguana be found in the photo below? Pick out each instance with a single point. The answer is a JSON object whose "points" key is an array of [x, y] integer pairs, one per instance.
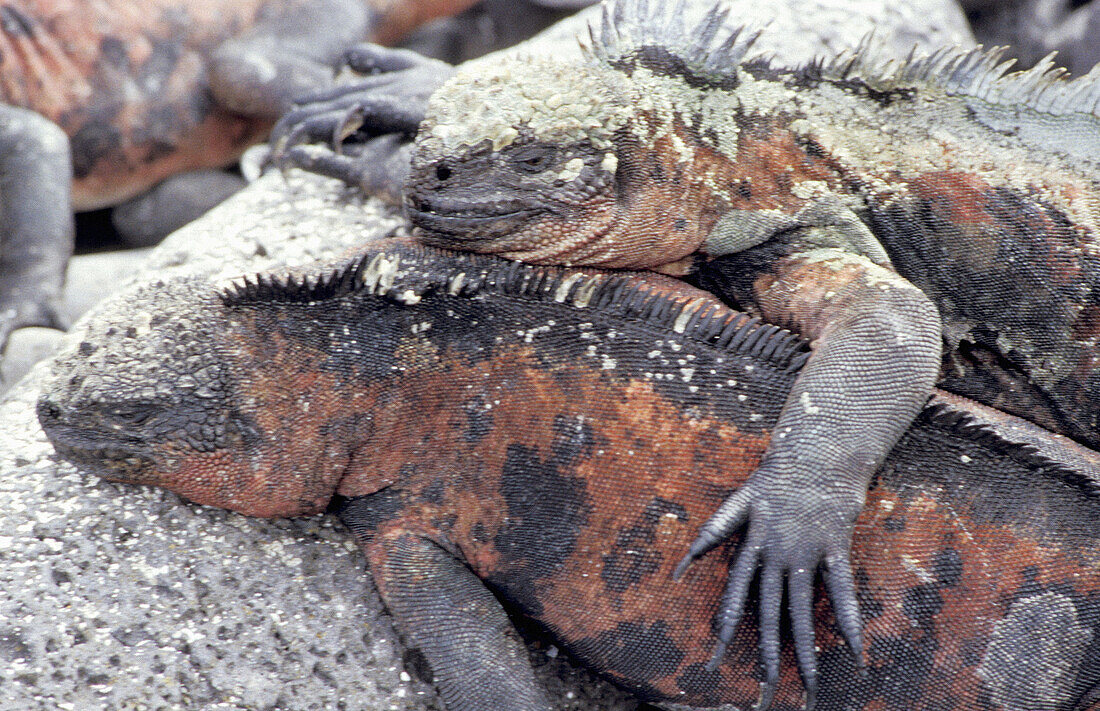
{"points": [[936, 201], [549, 439]]}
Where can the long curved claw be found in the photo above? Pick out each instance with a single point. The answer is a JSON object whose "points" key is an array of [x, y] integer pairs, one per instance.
{"points": [[731, 514], [800, 596], [733, 603], [842, 593], [378, 167], [322, 127], [771, 601], [791, 531]]}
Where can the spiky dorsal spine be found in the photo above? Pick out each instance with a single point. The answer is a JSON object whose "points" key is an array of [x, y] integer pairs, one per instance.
{"points": [[978, 73], [646, 32], [641, 32]]}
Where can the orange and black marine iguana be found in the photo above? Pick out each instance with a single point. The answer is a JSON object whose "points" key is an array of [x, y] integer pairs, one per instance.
{"points": [[551, 439], [931, 219]]}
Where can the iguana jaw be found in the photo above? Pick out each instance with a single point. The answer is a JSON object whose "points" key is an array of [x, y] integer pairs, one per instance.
{"points": [[112, 458], [462, 222]]}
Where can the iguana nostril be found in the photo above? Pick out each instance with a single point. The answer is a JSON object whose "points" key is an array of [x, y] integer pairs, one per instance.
{"points": [[442, 173], [48, 411]]}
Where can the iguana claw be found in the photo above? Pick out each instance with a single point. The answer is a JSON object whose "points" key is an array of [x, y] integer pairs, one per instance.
{"points": [[789, 534], [389, 100]]}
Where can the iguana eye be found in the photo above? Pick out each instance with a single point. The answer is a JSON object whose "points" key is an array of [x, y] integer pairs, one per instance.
{"points": [[132, 414], [534, 159]]}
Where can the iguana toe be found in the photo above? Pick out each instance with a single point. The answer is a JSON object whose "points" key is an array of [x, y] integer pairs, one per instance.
{"points": [[789, 535], [390, 98]]}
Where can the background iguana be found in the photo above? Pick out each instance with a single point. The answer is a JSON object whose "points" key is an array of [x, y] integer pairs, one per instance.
{"points": [[559, 454], [879, 210]]}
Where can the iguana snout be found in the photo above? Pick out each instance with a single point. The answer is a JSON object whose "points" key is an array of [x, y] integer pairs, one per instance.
{"points": [[162, 400]]}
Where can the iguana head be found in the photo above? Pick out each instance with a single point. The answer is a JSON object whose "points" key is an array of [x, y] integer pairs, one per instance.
{"points": [[166, 389], [537, 160]]}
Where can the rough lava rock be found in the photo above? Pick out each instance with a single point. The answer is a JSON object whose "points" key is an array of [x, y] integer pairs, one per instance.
{"points": [[118, 597]]}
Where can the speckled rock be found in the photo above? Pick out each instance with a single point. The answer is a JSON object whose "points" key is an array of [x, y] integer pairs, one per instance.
{"points": [[117, 597]]}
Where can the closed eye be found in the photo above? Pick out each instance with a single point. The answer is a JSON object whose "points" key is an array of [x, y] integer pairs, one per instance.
{"points": [[133, 414], [534, 159]]}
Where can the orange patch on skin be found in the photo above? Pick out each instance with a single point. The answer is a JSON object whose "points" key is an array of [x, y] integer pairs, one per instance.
{"points": [[399, 17], [61, 72], [615, 477], [645, 448], [959, 198], [297, 407], [770, 164], [811, 296], [676, 189]]}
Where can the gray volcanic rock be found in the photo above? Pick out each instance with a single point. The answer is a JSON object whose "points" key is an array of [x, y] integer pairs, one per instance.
{"points": [[119, 597]]}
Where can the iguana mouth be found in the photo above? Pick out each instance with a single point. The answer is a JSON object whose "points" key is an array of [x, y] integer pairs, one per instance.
{"points": [[112, 462], [470, 221], [105, 455]]}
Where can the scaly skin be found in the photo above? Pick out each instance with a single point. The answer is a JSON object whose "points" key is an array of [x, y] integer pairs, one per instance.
{"points": [[865, 207], [560, 454]]}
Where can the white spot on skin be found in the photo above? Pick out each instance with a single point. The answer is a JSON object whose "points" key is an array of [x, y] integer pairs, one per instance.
{"points": [[686, 373], [380, 272], [571, 170], [562, 292], [913, 566], [807, 405]]}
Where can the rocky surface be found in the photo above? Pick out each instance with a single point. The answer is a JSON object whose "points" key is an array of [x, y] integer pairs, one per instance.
{"points": [[116, 597]]}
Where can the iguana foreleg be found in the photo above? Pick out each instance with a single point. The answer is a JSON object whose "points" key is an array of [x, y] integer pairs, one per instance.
{"points": [[477, 660], [876, 355]]}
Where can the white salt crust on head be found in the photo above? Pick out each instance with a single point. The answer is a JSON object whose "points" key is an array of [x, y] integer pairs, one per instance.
{"points": [[558, 103]]}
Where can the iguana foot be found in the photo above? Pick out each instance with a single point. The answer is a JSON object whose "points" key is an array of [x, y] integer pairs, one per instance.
{"points": [[388, 101], [791, 531]]}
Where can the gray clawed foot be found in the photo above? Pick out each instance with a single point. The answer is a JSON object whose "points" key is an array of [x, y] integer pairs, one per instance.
{"points": [[356, 131], [789, 534]]}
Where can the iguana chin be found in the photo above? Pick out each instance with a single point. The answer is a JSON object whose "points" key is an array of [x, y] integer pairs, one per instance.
{"points": [[880, 211], [550, 438]]}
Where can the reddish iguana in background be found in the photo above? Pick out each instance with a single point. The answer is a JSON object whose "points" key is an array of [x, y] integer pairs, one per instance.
{"points": [[102, 100], [552, 439], [879, 210]]}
